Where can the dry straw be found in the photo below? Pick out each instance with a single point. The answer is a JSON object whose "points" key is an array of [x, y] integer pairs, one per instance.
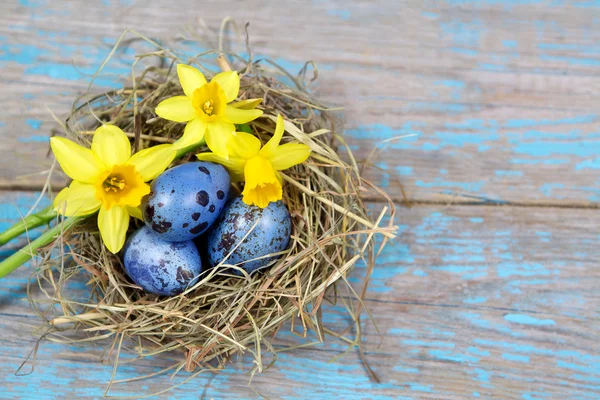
{"points": [[222, 315]]}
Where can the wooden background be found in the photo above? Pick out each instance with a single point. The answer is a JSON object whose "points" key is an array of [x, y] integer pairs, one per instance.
{"points": [[491, 290]]}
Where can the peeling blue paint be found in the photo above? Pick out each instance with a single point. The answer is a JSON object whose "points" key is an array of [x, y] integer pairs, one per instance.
{"points": [[405, 369], [537, 141], [419, 272], [463, 33], [482, 375], [340, 13], [429, 14], [478, 352], [451, 83], [37, 60], [593, 369], [506, 269], [548, 189], [404, 170], [448, 355], [419, 387], [589, 62], [475, 300], [34, 123], [504, 173], [402, 331], [412, 342], [492, 67], [385, 176], [548, 148], [515, 357], [35, 139], [588, 164], [578, 47]]}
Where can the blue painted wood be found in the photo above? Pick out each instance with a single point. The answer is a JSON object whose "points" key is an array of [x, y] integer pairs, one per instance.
{"points": [[498, 95], [470, 301]]}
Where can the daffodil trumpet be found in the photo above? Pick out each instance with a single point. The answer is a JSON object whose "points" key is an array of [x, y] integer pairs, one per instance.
{"points": [[259, 167]]}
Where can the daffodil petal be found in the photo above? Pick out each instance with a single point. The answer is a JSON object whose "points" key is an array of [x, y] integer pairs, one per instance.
{"points": [[270, 148], [113, 226], [218, 134], [248, 104], [111, 145], [192, 134], [288, 155], [151, 162], [176, 108], [229, 81], [76, 200], [190, 78], [241, 116], [243, 145], [234, 165], [135, 212], [76, 161]]}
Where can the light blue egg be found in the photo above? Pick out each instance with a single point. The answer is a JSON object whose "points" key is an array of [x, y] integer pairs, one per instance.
{"points": [[271, 234], [186, 200], [161, 267]]}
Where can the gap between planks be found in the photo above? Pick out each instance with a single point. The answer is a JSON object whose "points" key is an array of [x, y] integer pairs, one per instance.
{"points": [[445, 200], [453, 201]]}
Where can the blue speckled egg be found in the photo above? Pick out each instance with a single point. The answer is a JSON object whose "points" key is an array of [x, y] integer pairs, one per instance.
{"points": [[161, 267], [186, 200], [271, 234]]}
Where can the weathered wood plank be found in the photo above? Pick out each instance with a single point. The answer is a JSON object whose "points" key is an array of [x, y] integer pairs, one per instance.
{"points": [[497, 302], [501, 96]]}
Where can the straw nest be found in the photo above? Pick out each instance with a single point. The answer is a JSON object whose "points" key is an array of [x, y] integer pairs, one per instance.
{"points": [[222, 314]]}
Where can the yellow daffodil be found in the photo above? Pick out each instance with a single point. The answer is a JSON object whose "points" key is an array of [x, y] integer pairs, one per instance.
{"points": [[108, 178], [259, 167], [206, 110]]}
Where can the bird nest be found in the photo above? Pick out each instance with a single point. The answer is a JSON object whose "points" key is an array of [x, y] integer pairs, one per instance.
{"points": [[84, 295]]}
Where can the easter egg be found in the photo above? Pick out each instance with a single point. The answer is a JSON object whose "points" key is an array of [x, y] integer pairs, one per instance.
{"points": [[185, 201], [270, 235], [161, 267]]}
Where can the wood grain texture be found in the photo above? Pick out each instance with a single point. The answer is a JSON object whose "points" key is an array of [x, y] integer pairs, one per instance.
{"points": [[500, 96], [477, 301], [501, 100]]}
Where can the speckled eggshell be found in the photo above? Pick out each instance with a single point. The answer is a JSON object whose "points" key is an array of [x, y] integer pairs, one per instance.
{"points": [[186, 200], [161, 267], [271, 234]]}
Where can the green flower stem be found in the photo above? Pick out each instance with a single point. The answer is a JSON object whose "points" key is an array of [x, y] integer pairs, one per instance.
{"points": [[22, 256], [189, 149], [32, 221]]}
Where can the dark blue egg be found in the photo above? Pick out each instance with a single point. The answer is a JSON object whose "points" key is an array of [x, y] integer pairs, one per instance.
{"points": [[185, 201], [161, 267], [271, 234]]}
